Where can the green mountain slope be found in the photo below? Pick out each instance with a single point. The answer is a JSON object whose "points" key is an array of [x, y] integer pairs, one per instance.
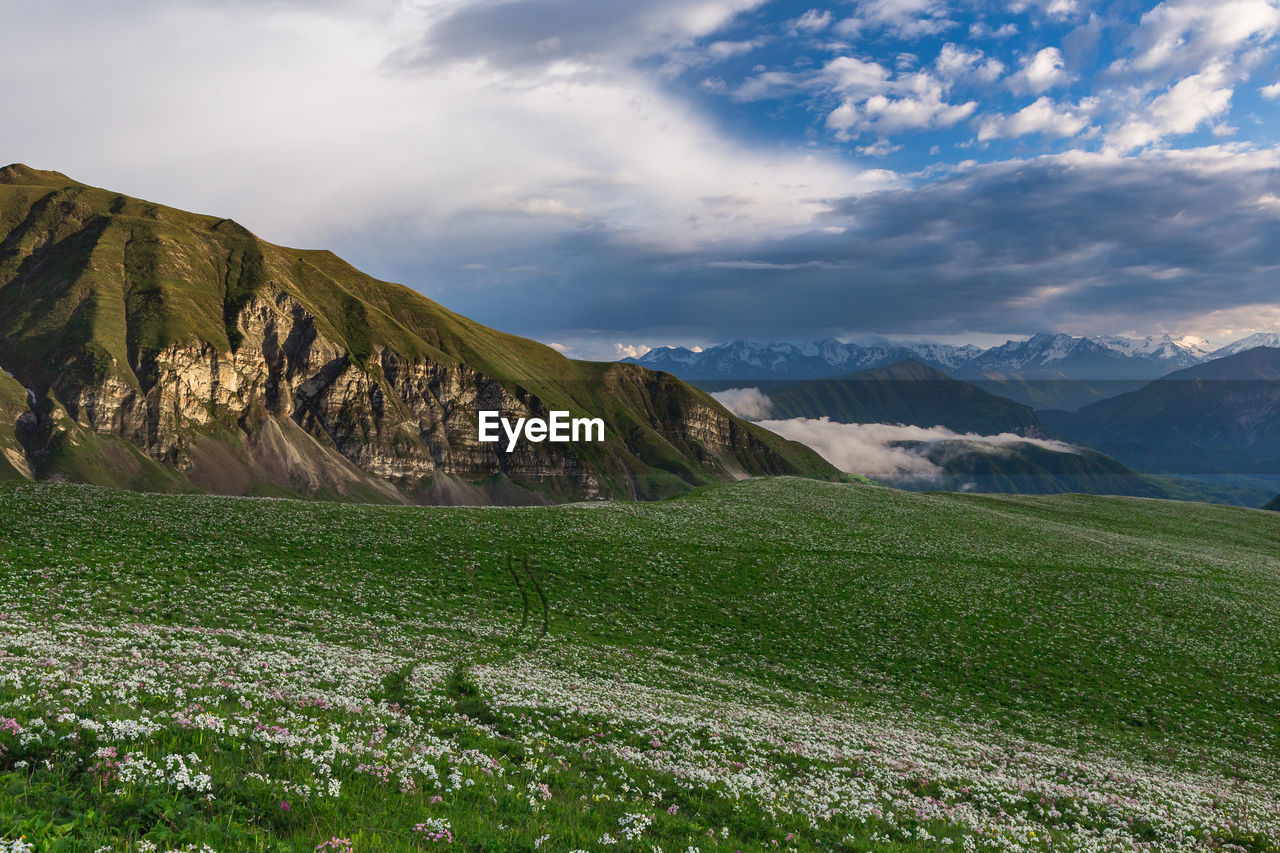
{"points": [[172, 350], [1219, 417], [906, 392]]}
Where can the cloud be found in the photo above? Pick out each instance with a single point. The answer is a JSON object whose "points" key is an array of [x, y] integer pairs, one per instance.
{"points": [[1186, 105], [1272, 92], [629, 350], [726, 49], [872, 99], [958, 63], [1040, 72], [880, 148], [1043, 117], [846, 75], [749, 403], [1180, 35], [529, 164], [516, 35], [1052, 8], [766, 265], [920, 105], [813, 21], [348, 146], [907, 19], [892, 452], [1074, 242], [981, 30]]}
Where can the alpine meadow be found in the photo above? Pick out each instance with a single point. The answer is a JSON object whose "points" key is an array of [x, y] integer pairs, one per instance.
{"points": [[640, 426], [776, 664]]}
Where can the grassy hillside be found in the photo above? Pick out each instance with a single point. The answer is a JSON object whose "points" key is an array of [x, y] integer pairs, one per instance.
{"points": [[126, 277], [775, 664]]}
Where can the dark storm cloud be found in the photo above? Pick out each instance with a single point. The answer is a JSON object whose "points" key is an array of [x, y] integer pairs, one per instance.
{"points": [[513, 34], [1073, 241]]}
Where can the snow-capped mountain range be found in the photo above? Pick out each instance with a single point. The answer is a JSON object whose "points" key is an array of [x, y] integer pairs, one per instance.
{"points": [[1044, 356]]}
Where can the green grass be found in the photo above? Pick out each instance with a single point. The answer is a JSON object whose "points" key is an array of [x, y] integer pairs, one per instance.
{"points": [[854, 667]]}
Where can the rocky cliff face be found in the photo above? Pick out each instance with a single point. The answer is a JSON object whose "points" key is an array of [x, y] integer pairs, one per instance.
{"points": [[398, 420], [148, 347]]}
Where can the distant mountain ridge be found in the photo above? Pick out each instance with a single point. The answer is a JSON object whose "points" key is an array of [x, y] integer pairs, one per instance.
{"points": [[1218, 417], [1041, 357], [905, 392]]}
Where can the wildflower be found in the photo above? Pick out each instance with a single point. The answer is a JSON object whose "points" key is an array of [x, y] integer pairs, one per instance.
{"points": [[435, 829], [336, 845]]}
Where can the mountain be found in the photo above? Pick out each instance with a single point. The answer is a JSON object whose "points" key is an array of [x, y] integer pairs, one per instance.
{"points": [[905, 392], [152, 348], [1049, 356], [1043, 358], [1261, 339], [1065, 372], [1222, 416], [1273, 504], [749, 361], [1180, 352]]}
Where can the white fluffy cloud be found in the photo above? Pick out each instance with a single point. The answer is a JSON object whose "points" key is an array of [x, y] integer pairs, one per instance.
{"points": [[1040, 72], [1043, 117], [904, 18], [1190, 102], [918, 102], [629, 350], [813, 21], [1180, 35], [957, 63], [1051, 8], [874, 99]]}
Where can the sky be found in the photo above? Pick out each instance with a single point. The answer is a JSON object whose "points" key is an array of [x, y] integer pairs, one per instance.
{"points": [[612, 176]]}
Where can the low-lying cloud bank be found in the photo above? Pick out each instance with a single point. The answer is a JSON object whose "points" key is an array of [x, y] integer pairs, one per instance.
{"points": [[893, 452]]}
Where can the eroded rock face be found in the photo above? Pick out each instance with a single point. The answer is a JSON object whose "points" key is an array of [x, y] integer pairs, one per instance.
{"points": [[399, 420]]}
